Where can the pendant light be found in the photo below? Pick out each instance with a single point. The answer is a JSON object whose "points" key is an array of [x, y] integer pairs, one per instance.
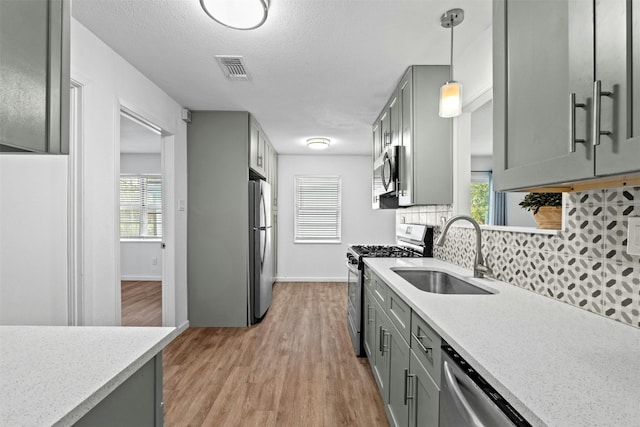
{"points": [[451, 91], [237, 14]]}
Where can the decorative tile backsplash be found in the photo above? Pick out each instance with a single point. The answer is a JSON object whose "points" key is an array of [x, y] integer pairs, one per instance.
{"points": [[585, 265]]}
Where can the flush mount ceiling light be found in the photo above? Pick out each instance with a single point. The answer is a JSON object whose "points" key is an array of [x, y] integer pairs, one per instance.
{"points": [[451, 91], [237, 14], [318, 143]]}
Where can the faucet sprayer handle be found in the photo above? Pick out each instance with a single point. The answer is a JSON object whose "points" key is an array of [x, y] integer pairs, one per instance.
{"points": [[481, 271]]}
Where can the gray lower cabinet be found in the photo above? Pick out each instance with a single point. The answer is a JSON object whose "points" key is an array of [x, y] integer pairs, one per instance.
{"points": [[34, 76], [379, 359], [563, 69], [404, 354], [398, 361], [424, 402], [369, 324], [137, 402]]}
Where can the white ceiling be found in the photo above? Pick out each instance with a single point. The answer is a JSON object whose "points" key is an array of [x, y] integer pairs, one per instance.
{"points": [[318, 67]]}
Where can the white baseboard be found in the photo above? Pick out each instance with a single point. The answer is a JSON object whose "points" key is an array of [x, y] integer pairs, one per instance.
{"points": [[142, 278], [311, 279], [183, 327]]}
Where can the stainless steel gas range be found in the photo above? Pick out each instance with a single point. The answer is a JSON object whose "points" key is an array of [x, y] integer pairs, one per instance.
{"points": [[412, 240]]}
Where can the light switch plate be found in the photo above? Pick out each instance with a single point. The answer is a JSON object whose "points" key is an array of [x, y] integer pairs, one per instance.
{"points": [[633, 236]]}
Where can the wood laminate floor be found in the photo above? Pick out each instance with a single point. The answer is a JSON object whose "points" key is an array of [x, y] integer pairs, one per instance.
{"points": [[141, 303], [295, 368]]}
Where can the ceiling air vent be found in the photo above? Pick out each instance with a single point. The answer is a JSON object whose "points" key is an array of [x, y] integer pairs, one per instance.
{"points": [[233, 67]]}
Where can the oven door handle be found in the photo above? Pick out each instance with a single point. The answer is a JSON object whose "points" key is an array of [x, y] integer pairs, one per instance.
{"points": [[352, 267]]}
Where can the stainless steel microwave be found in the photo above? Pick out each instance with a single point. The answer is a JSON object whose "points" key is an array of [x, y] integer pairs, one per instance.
{"points": [[386, 175]]}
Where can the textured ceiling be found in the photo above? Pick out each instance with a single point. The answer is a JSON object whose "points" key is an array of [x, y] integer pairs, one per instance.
{"points": [[318, 67]]}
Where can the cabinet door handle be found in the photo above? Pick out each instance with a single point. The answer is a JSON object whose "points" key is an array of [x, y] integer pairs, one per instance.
{"points": [[385, 347], [407, 385], [572, 122], [597, 110], [381, 340], [387, 139], [370, 319], [260, 161]]}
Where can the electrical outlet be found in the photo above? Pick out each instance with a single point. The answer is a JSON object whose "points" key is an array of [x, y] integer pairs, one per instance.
{"points": [[154, 261], [633, 236]]}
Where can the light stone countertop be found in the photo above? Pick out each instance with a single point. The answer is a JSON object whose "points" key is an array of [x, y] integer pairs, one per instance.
{"points": [[53, 375], [558, 365]]}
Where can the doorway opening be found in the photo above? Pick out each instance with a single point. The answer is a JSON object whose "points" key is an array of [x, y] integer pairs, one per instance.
{"points": [[141, 213]]}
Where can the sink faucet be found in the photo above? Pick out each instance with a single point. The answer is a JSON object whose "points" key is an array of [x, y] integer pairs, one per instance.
{"points": [[479, 269]]}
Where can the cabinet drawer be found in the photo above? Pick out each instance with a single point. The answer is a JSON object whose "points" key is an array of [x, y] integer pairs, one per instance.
{"points": [[426, 342], [379, 290], [366, 278], [400, 314]]}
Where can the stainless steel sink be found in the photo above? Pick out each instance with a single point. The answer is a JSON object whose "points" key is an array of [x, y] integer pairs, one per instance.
{"points": [[439, 282]]}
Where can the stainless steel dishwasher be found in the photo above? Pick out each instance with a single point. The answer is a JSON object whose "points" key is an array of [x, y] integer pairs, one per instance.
{"points": [[467, 400]]}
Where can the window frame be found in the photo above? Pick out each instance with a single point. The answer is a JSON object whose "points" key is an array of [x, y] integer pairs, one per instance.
{"points": [[485, 177], [298, 233], [143, 209]]}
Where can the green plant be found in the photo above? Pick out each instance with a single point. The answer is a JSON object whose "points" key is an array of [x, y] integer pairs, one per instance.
{"points": [[534, 201], [480, 202]]}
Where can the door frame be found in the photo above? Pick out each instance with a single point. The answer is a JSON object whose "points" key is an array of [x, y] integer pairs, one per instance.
{"points": [[75, 223], [168, 221]]}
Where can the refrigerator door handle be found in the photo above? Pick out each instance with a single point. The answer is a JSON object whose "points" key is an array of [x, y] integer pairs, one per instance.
{"points": [[263, 244]]}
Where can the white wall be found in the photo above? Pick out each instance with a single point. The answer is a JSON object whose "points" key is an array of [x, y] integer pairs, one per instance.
{"points": [[33, 239], [140, 163], [109, 82], [360, 223], [473, 67], [140, 260], [517, 216]]}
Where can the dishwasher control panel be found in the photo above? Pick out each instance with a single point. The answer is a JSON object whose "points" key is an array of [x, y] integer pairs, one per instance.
{"points": [[495, 397]]}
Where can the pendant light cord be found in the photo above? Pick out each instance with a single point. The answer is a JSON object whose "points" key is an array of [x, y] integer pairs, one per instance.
{"points": [[451, 59]]}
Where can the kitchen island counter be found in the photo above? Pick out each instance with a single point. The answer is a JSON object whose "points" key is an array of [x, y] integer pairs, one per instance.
{"points": [[54, 375], [558, 365]]}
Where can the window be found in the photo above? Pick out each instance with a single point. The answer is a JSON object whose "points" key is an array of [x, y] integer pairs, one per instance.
{"points": [[318, 209], [140, 206], [481, 196]]}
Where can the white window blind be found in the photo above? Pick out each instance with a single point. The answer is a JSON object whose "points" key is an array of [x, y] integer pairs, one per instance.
{"points": [[318, 206], [140, 206]]}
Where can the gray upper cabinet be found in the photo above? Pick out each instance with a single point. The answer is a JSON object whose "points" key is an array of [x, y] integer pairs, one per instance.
{"points": [[426, 165], [410, 119], [386, 132], [263, 158], [256, 147], [617, 67], [545, 74], [34, 76], [376, 177]]}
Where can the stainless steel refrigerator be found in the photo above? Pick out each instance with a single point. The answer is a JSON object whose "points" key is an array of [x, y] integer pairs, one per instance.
{"points": [[260, 250]]}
